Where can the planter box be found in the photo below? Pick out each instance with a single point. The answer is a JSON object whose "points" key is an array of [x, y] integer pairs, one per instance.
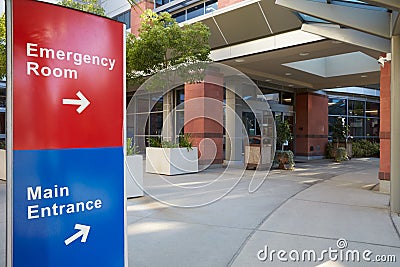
{"points": [[171, 161], [3, 164], [134, 176]]}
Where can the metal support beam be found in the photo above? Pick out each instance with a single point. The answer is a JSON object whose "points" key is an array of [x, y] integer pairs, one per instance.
{"points": [[375, 22], [349, 36], [389, 4], [395, 126], [395, 23]]}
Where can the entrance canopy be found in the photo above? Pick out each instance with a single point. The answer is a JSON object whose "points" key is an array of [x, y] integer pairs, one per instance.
{"points": [[284, 42]]}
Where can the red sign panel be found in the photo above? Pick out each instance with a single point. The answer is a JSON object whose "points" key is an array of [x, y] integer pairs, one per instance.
{"points": [[72, 103]]}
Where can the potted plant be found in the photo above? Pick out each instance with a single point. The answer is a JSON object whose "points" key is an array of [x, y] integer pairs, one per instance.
{"points": [[283, 136], [3, 157], [133, 170], [163, 157]]}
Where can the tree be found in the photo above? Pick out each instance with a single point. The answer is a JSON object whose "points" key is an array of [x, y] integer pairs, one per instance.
{"points": [[340, 131], [162, 44], [90, 6], [283, 133], [3, 51]]}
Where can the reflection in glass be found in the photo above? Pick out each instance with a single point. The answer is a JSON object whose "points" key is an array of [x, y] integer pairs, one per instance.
{"points": [[372, 109], [372, 125], [356, 108], [356, 126], [337, 106]]}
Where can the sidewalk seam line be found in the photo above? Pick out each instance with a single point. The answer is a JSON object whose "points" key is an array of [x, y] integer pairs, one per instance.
{"points": [[341, 204], [244, 243], [329, 238]]}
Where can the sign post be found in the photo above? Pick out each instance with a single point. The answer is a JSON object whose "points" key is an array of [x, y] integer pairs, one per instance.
{"points": [[67, 195]]}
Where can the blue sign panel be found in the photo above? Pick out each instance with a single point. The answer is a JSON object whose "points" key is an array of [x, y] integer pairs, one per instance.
{"points": [[67, 205]]}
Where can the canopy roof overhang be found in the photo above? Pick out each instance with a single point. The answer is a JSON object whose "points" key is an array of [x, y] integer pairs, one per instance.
{"points": [[273, 43]]}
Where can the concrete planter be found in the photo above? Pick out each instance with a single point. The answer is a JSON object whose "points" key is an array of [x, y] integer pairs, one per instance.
{"points": [[171, 161], [3, 164], [134, 176]]}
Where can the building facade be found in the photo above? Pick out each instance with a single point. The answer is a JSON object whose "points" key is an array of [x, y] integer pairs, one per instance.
{"points": [[312, 64]]}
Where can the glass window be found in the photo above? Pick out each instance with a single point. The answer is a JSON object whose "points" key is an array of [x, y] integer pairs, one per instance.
{"points": [[195, 11], [180, 99], [356, 108], [372, 125], [158, 104], [2, 123], [211, 6], [337, 106], [372, 109], [124, 18], [180, 16], [356, 126], [287, 98], [156, 123]]}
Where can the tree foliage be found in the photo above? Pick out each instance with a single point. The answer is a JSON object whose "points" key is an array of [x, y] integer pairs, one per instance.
{"points": [[340, 130], [162, 44], [90, 6], [3, 51], [283, 133]]}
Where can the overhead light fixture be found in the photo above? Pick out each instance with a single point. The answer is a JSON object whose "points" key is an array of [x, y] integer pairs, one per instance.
{"points": [[239, 60], [303, 54], [268, 80], [290, 85], [364, 76], [288, 74]]}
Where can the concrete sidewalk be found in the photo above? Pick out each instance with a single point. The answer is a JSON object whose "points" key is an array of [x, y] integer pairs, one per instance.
{"points": [[306, 209], [309, 208]]}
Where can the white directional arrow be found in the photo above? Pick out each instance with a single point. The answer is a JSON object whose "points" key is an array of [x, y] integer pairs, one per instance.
{"points": [[83, 231], [82, 102]]}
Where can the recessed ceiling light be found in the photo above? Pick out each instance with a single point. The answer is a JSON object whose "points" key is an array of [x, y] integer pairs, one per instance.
{"points": [[239, 60], [303, 54], [364, 76], [290, 85], [288, 74], [268, 80]]}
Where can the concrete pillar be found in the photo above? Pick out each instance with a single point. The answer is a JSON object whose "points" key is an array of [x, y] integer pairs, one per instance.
{"points": [[384, 132], [311, 125], [233, 126], [168, 117], [204, 118], [395, 127]]}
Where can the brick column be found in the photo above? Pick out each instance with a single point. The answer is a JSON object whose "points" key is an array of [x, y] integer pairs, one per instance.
{"points": [[384, 132], [136, 11], [311, 125], [204, 118]]}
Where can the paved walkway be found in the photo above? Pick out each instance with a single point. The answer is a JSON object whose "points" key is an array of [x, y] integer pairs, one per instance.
{"points": [[304, 210]]}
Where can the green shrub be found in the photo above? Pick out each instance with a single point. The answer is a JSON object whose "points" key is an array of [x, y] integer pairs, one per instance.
{"points": [[283, 157], [329, 150], [341, 154], [131, 148], [365, 148], [155, 141], [185, 141]]}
